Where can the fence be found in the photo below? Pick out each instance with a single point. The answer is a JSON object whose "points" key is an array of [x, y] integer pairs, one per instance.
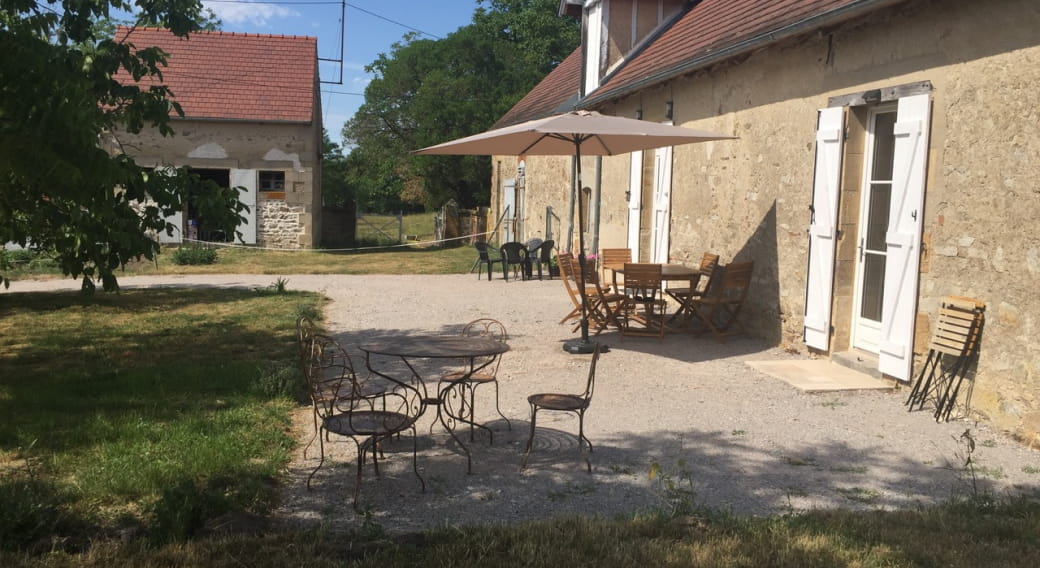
{"points": [[452, 222]]}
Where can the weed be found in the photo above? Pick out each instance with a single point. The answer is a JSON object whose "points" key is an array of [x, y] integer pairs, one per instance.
{"points": [[990, 472], [279, 286], [572, 489], [859, 469], [832, 404], [1030, 469], [194, 255], [370, 529], [860, 494], [675, 488], [990, 443], [738, 432]]}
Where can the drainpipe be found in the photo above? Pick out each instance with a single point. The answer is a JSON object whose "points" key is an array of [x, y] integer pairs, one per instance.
{"points": [[594, 207], [568, 245]]}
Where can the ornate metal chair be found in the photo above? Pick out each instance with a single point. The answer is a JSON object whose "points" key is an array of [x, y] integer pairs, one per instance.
{"points": [[560, 402], [335, 392], [488, 368]]}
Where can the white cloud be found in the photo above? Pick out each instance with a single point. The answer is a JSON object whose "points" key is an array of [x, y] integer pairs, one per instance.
{"points": [[256, 13]]}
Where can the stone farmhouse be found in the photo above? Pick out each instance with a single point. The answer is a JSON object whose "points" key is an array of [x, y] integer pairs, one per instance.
{"points": [[887, 157], [252, 119]]}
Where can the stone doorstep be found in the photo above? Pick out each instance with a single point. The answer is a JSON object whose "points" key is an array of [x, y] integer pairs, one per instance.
{"points": [[819, 375]]}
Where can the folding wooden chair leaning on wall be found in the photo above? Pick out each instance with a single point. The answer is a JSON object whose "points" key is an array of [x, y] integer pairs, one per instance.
{"points": [[954, 347]]}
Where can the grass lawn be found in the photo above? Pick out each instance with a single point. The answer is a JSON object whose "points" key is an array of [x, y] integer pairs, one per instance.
{"points": [[403, 260], [144, 413], [134, 425]]}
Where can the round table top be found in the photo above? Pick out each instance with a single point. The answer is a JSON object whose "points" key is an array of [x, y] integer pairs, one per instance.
{"points": [[436, 346]]}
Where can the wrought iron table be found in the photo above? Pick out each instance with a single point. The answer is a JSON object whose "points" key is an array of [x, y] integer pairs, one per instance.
{"points": [[478, 351]]}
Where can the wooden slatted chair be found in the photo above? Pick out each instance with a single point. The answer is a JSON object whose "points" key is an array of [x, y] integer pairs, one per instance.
{"points": [[642, 307], [953, 348], [614, 259], [719, 309], [708, 268]]}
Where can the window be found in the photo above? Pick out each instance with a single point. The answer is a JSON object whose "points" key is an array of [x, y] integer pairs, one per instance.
{"points": [[272, 181]]}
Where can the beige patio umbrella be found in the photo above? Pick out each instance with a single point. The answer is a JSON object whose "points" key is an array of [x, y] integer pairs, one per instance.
{"points": [[575, 134]]}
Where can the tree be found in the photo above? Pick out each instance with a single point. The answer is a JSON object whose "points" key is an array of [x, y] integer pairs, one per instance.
{"points": [[430, 91], [60, 190]]}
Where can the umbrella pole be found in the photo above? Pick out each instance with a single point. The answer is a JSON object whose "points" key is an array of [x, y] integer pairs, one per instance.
{"points": [[583, 345]]}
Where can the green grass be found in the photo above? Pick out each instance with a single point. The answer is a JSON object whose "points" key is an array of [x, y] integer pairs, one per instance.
{"points": [[408, 260], [968, 534], [150, 411]]}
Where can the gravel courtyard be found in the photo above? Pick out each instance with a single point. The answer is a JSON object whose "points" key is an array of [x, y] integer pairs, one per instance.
{"points": [[729, 436]]}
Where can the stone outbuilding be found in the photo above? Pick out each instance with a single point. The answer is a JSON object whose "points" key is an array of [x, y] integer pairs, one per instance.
{"points": [[887, 157], [252, 119]]}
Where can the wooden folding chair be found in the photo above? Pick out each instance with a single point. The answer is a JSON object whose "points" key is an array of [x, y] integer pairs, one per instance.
{"points": [[953, 348], [613, 259], [719, 309], [642, 306], [684, 296]]}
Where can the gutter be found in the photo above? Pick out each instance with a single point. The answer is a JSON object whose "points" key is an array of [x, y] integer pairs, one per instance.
{"points": [[711, 57]]}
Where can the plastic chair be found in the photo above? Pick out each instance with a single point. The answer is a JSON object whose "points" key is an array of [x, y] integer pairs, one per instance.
{"points": [[559, 402], [542, 254], [514, 256], [486, 256]]}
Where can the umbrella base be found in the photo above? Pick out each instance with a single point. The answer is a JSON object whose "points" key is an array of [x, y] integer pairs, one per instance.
{"points": [[583, 347]]}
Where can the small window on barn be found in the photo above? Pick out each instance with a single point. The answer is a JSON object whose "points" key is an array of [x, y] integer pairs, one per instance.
{"points": [[272, 181]]}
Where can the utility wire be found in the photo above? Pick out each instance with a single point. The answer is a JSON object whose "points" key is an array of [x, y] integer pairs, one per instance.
{"points": [[322, 2]]}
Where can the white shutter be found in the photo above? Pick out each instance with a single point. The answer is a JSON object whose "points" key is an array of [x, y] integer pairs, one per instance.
{"points": [[903, 240], [176, 219], [593, 45], [830, 135], [662, 204], [635, 201], [247, 180]]}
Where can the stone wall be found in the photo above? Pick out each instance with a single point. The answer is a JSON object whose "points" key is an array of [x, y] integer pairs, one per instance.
{"points": [[748, 198], [280, 224], [291, 148]]}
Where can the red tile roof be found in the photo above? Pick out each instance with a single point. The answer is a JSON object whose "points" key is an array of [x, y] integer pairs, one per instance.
{"points": [[236, 76], [546, 99], [713, 30]]}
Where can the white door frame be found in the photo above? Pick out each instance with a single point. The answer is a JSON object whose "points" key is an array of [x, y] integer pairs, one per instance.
{"points": [[866, 333], [508, 209]]}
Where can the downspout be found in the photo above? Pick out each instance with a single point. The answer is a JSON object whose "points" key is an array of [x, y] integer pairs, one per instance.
{"points": [[594, 207], [569, 244]]}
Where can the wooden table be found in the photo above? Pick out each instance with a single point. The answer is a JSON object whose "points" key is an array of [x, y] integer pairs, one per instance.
{"points": [[676, 273], [477, 350]]}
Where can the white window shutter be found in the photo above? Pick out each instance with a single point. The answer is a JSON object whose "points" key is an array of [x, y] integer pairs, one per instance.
{"points": [[903, 239], [830, 136], [661, 224], [176, 219], [247, 180]]}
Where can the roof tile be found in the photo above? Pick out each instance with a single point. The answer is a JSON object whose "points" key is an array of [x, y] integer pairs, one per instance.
{"points": [[235, 76]]}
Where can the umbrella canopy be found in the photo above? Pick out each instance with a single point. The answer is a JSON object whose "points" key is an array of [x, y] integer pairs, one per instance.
{"points": [[574, 134], [593, 133]]}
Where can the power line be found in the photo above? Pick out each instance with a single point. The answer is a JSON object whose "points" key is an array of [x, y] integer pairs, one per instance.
{"points": [[395, 22], [324, 2]]}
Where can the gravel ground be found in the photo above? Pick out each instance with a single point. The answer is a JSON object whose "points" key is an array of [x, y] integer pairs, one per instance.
{"points": [[737, 439]]}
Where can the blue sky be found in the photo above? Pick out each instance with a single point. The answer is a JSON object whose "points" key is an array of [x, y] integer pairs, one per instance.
{"points": [[370, 28]]}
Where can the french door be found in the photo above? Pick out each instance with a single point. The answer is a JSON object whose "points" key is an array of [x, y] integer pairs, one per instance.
{"points": [[872, 249]]}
